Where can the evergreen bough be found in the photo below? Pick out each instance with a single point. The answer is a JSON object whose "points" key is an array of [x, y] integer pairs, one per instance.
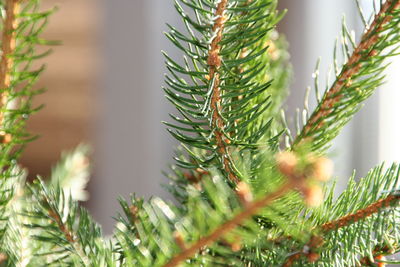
{"points": [[247, 191]]}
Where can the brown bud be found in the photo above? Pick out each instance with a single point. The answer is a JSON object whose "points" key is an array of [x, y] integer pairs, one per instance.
{"points": [[313, 195], [81, 162], [313, 257], [286, 162], [244, 193], [316, 241], [373, 53], [5, 138], [3, 257], [179, 240], [236, 246], [201, 171], [322, 169], [191, 177], [380, 258], [134, 210]]}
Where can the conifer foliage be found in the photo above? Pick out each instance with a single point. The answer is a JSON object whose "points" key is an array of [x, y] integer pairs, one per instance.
{"points": [[247, 192]]}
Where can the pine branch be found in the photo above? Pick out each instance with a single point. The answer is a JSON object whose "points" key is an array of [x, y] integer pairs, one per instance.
{"points": [[344, 221], [10, 191], [10, 25], [214, 63], [221, 97], [53, 214], [64, 230], [251, 209], [361, 214], [364, 216], [361, 73], [377, 253], [22, 26]]}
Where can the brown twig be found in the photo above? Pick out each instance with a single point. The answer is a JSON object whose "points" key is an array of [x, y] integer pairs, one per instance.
{"points": [[63, 228], [3, 258], [309, 251], [292, 259], [10, 24], [344, 221], [68, 234], [353, 65], [360, 214], [214, 62], [378, 253], [228, 226], [195, 176]]}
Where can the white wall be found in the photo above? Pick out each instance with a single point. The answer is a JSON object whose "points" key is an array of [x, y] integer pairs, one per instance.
{"points": [[132, 146]]}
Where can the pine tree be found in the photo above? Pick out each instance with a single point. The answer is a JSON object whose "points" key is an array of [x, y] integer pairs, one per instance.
{"points": [[247, 192]]}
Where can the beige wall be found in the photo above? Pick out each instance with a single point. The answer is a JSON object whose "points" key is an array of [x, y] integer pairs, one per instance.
{"points": [[70, 80]]}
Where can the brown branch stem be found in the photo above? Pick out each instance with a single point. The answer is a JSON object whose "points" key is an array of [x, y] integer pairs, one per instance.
{"points": [[292, 259], [228, 226], [214, 62], [10, 24], [342, 222], [333, 96], [57, 219], [69, 235], [360, 214], [378, 253]]}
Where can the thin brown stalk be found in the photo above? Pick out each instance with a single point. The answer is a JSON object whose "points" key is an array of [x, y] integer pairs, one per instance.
{"points": [[377, 253], [360, 214], [344, 221], [3, 258], [214, 62], [228, 226], [353, 65], [10, 24], [63, 228], [292, 259], [68, 234], [309, 252]]}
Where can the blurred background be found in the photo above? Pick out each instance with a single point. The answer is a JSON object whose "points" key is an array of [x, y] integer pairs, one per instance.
{"points": [[104, 89]]}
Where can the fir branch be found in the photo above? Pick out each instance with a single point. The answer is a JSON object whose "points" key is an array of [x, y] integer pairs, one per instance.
{"points": [[55, 216], [344, 221], [367, 48], [21, 30], [214, 63], [361, 214], [309, 252], [221, 97], [65, 229], [10, 25], [251, 209], [377, 253]]}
